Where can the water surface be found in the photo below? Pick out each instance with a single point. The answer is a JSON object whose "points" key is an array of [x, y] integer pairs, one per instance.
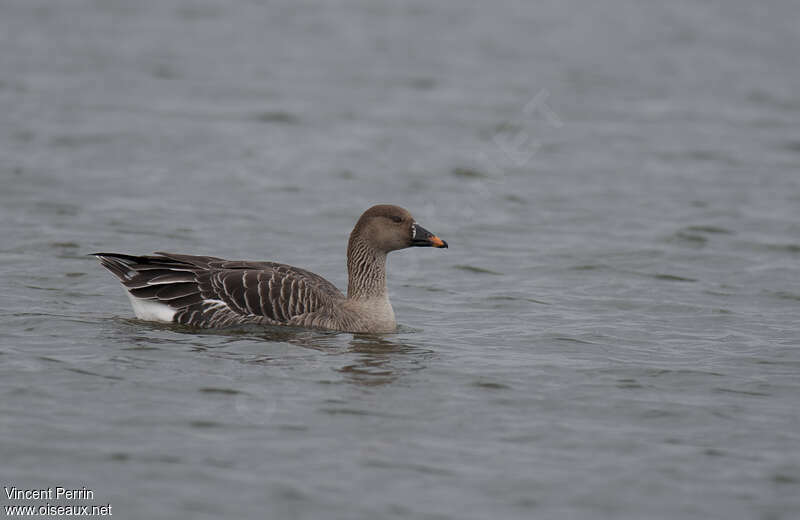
{"points": [[613, 332]]}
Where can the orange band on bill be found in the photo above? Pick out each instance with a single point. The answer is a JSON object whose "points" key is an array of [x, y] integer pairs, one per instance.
{"points": [[436, 241]]}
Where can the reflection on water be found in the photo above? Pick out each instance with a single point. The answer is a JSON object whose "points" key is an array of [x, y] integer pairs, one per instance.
{"points": [[381, 360], [366, 359], [363, 359]]}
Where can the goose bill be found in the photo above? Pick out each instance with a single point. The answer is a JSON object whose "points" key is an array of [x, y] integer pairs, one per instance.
{"points": [[424, 238]]}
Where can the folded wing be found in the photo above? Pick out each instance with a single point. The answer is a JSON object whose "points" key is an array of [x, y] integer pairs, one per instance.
{"points": [[212, 292]]}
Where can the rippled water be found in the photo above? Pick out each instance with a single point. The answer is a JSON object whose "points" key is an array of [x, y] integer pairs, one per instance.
{"points": [[613, 332]]}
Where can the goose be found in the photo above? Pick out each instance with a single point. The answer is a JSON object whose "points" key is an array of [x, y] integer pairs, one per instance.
{"points": [[210, 292]]}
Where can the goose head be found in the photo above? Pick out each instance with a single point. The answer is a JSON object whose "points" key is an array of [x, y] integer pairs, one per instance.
{"points": [[388, 228]]}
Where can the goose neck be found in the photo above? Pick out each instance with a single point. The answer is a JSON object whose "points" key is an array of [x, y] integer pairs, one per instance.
{"points": [[366, 270]]}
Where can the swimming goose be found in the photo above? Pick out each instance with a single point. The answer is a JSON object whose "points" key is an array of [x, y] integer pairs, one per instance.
{"points": [[209, 292]]}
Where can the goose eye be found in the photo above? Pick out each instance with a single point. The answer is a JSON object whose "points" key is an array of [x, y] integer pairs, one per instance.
{"points": [[397, 219]]}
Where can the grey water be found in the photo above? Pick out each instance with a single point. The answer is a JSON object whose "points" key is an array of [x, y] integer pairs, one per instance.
{"points": [[614, 331]]}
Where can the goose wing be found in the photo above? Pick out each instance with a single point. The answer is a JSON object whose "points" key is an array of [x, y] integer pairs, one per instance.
{"points": [[212, 292], [279, 292]]}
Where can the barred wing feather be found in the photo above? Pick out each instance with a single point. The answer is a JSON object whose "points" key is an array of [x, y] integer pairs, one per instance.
{"points": [[211, 292]]}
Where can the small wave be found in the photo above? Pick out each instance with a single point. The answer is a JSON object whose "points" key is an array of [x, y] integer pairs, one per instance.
{"points": [[489, 385], [586, 267], [792, 146], [709, 229], [213, 390], [671, 277], [691, 238], [277, 116], [785, 295], [474, 269], [468, 173]]}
